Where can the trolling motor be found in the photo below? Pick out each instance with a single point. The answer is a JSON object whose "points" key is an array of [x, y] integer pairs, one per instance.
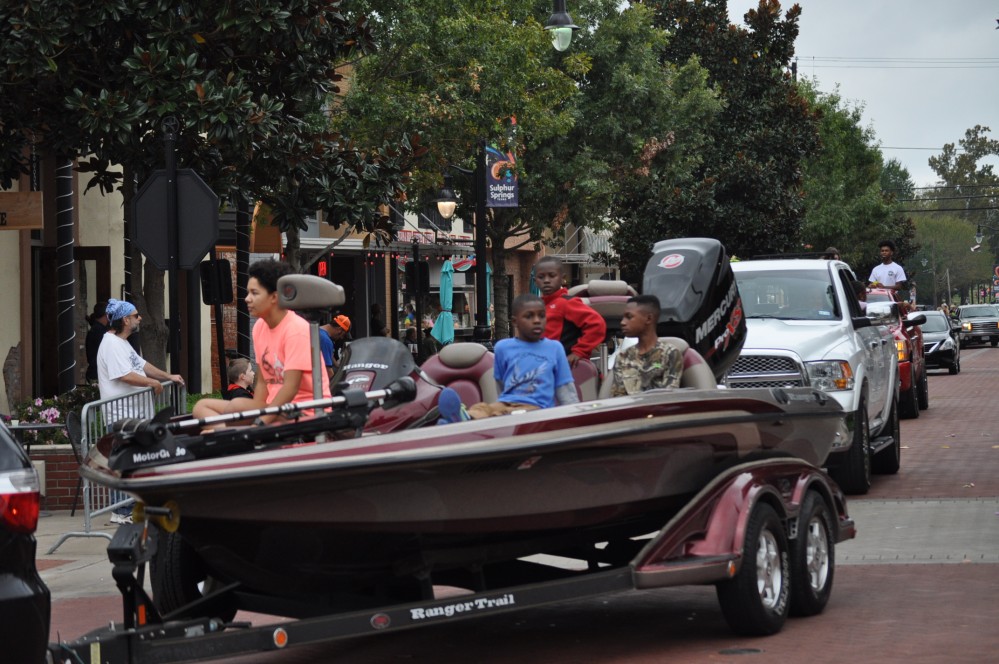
{"points": [[147, 443]]}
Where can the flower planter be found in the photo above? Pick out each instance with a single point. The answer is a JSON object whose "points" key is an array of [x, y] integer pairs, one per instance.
{"points": [[61, 475]]}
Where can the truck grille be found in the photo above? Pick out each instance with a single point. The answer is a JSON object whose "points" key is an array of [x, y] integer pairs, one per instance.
{"points": [[983, 327], [765, 371]]}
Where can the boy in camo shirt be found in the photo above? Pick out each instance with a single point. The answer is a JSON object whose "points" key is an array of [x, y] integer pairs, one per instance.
{"points": [[654, 362]]}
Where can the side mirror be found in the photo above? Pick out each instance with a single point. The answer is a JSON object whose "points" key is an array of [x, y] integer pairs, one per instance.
{"points": [[861, 321], [915, 319]]}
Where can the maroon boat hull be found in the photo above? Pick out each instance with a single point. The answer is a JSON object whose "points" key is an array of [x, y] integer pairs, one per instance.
{"points": [[334, 517]]}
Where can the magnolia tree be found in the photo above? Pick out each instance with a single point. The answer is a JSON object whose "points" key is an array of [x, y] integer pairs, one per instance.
{"points": [[249, 83]]}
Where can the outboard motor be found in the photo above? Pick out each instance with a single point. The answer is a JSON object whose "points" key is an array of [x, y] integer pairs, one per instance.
{"points": [[700, 300], [373, 363]]}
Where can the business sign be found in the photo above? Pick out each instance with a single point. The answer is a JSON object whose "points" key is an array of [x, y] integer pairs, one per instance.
{"points": [[21, 211], [995, 279], [501, 179]]}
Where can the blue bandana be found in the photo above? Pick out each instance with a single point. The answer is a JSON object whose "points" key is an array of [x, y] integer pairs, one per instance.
{"points": [[118, 309]]}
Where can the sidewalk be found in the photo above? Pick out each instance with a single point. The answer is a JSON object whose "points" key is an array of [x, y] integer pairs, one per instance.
{"points": [[79, 567]]}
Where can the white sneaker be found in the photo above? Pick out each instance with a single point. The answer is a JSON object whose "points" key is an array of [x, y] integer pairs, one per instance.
{"points": [[121, 518]]}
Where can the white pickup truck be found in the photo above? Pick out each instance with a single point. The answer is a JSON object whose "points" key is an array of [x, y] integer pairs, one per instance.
{"points": [[806, 328]]}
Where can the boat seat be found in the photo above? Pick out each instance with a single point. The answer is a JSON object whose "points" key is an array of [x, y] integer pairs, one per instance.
{"points": [[467, 368], [696, 372], [587, 378], [608, 298]]}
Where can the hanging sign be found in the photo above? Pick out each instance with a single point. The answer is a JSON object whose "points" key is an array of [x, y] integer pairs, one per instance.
{"points": [[21, 211]]}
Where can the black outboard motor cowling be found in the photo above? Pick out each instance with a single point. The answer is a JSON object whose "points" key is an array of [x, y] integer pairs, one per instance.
{"points": [[374, 363], [700, 300]]}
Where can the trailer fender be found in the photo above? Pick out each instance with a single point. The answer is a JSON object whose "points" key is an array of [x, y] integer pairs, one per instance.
{"points": [[703, 543]]}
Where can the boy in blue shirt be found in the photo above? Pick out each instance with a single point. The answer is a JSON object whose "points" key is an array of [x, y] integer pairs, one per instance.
{"points": [[531, 371]]}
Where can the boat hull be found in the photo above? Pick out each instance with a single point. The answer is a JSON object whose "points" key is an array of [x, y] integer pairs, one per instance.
{"points": [[331, 517]]}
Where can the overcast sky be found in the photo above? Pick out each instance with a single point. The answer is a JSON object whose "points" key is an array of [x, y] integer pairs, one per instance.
{"points": [[942, 77]]}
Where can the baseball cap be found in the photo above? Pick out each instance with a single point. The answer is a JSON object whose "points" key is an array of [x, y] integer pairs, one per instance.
{"points": [[343, 322]]}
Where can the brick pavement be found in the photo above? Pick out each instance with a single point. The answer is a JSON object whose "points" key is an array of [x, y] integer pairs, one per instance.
{"points": [[892, 611]]}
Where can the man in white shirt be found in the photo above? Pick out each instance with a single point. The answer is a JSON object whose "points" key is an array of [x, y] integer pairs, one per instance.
{"points": [[122, 371], [887, 274]]}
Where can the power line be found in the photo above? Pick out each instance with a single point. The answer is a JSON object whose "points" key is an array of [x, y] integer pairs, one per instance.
{"points": [[952, 210], [942, 198]]}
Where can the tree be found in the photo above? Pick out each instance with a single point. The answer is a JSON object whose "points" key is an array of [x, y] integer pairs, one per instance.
{"points": [[944, 241], [746, 188], [585, 119], [847, 205], [248, 84], [968, 183]]}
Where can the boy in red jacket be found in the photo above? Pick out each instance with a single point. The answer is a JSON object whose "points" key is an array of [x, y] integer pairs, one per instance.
{"points": [[570, 321]]}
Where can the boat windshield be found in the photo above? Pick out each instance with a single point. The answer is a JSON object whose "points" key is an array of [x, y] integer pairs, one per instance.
{"points": [[788, 295]]}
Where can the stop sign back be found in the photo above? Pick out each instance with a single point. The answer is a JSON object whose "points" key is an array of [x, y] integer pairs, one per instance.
{"points": [[197, 219]]}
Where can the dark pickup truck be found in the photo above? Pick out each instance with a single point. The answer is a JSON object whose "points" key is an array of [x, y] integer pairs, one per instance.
{"points": [[979, 324]]}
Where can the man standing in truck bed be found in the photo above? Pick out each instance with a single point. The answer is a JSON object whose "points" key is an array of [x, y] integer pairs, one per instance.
{"points": [[570, 321]]}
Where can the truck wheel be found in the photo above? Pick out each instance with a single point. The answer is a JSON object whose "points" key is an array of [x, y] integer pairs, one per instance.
{"points": [[924, 392], [909, 402], [995, 341], [178, 577], [755, 602], [888, 460], [853, 474], [813, 558]]}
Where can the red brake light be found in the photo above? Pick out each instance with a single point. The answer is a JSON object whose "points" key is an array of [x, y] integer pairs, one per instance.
{"points": [[19, 511], [20, 498]]}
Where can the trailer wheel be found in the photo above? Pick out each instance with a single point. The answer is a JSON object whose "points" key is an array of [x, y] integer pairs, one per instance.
{"points": [[813, 558], [755, 601], [178, 577]]}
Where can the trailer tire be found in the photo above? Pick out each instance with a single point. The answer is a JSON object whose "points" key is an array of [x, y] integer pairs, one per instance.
{"points": [[178, 577], [813, 558], [755, 601]]}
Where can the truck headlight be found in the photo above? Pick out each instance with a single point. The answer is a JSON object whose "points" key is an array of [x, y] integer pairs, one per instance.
{"points": [[902, 350], [966, 327], [829, 375]]}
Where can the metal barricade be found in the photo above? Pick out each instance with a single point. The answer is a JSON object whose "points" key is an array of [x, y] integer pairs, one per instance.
{"points": [[97, 418]]}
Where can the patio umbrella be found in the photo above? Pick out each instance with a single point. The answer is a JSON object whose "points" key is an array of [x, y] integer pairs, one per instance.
{"points": [[444, 325]]}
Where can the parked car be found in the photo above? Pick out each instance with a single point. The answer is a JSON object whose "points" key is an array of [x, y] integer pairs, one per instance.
{"points": [[979, 324], [806, 328], [914, 394], [941, 345], [25, 602]]}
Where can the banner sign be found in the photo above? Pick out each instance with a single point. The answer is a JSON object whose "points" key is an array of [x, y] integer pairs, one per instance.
{"points": [[995, 279], [501, 179]]}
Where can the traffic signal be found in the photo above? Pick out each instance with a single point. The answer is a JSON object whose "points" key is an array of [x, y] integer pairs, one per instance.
{"points": [[321, 268]]}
